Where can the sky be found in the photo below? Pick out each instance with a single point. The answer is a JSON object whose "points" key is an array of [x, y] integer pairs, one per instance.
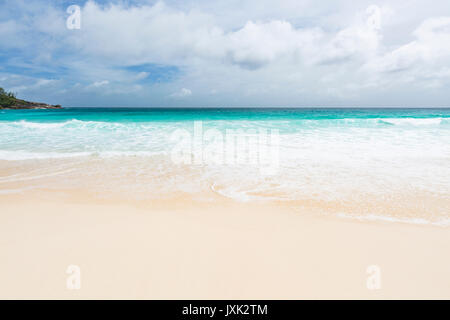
{"points": [[227, 53]]}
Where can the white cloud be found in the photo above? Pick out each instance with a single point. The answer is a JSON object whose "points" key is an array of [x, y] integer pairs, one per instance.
{"points": [[98, 84], [182, 93], [422, 58], [294, 53], [142, 75], [164, 35], [161, 34]]}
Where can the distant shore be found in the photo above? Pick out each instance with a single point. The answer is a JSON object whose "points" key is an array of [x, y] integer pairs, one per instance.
{"points": [[8, 100], [31, 105]]}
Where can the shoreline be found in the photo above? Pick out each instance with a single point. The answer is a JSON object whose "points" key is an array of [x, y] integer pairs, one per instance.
{"points": [[309, 208], [104, 195], [33, 107], [148, 182]]}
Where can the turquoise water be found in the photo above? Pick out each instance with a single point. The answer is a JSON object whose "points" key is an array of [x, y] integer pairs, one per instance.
{"points": [[28, 134], [326, 154], [144, 115]]}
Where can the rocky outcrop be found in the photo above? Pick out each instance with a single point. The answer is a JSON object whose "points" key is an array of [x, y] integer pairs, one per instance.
{"points": [[22, 104], [8, 100]]}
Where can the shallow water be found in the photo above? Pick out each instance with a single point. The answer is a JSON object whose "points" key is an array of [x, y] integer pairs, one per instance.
{"points": [[362, 162]]}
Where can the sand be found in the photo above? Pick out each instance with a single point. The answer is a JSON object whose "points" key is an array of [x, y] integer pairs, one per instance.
{"points": [[217, 250]]}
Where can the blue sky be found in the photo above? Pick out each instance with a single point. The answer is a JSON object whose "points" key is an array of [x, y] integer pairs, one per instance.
{"points": [[227, 53]]}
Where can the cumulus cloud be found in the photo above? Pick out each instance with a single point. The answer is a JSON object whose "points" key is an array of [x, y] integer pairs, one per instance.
{"points": [[299, 53], [98, 84], [162, 34], [182, 93], [422, 60]]}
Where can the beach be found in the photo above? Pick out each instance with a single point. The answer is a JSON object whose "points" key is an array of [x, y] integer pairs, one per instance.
{"points": [[149, 204], [223, 250], [224, 150]]}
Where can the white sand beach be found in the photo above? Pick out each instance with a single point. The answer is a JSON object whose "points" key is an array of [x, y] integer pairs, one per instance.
{"points": [[183, 250]]}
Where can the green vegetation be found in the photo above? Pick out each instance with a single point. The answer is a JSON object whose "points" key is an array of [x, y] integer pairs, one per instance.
{"points": [[7, 99]]}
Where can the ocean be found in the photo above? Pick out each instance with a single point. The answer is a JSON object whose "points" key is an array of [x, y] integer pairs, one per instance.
{"points": [[365, 163]]}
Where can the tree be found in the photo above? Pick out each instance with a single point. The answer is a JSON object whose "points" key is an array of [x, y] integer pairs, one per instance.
{"points": [[7, 99]]}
